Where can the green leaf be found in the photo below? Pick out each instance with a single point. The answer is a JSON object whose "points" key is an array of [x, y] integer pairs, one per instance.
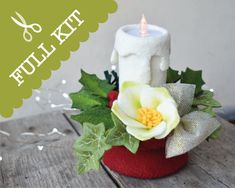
{"points": [[90, 147], [93, 138], [215, 134], [206, 99], [84, 100], [97, 86], [88, 161], [206, 102], [193, 77], [118, 136], [173, 76], [96, 115], [209, 110]]}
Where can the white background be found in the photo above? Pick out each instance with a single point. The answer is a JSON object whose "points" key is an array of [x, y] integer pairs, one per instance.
{"points": [[203, 37]]}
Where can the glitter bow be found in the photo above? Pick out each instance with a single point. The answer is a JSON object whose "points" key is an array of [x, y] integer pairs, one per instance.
{"points": [[193, 128]]}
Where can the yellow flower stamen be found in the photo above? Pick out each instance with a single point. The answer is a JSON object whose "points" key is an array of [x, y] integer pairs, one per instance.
{"points": [[149, 117]]}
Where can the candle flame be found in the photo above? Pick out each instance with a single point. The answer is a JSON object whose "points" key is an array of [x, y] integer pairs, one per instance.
{"points": [[143, 27]]}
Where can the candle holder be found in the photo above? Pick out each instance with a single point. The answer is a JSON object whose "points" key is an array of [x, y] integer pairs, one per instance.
{"points": [[148, 163]]}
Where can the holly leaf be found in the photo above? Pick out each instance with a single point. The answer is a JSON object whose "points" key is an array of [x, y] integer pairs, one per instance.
{"points": [[95, 85], [84, 100], [96, 115], [118, 136], [206, 102], [90, 147], [173, 76], [193, 77]]}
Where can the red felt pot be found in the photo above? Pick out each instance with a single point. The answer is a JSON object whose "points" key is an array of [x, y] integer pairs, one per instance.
{"points": [[149, 161]]}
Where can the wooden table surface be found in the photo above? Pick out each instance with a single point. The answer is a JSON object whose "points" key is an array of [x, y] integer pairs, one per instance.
{"points": [[212, 164]]}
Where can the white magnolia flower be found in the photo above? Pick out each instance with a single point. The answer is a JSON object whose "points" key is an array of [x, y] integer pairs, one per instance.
{"points": [[147, 112]]}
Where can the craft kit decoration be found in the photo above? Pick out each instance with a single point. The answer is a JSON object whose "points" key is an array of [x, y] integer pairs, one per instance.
{"points": [[143, 121]]}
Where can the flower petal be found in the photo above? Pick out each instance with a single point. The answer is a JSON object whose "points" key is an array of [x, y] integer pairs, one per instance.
{"points": [[170, 116], [129, 98], [124, 118], [152, 97], [129, 84], [146, 134]]}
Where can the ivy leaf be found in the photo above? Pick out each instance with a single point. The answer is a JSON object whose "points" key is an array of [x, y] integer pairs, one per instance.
{"points": [[173, 76], [88, 161], [92, 139], [96, 115], [207, 102], [206, 99], [90, 147], [193, 77], [118, 136], [97, 86], [215, 134], [209, 110], [84, 100]]}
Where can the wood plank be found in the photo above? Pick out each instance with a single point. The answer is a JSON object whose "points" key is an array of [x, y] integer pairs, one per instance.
{"points": [[217, 157], [25, 166], [43, 123], [1, 179], [190, 176], [227, 136], [211, 165]]}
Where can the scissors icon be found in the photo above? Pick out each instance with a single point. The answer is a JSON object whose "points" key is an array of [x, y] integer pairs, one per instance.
{"points": [[36, 28]]}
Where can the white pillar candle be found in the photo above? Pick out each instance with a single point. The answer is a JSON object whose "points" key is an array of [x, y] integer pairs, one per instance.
{"points": [[143, 53]]}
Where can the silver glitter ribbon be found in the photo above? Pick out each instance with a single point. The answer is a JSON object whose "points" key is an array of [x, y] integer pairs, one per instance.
{"points": [[193, 128], [183, 95]]}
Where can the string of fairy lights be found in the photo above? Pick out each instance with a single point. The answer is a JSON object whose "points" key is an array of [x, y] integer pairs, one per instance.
{"points": [[54, 131], [47, 99]]}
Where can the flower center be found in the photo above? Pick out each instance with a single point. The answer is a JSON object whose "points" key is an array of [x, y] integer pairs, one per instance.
{"points": [[149, 117]]}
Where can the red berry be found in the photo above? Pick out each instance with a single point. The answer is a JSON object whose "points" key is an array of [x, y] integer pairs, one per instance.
{"points": [[112, 96]]}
